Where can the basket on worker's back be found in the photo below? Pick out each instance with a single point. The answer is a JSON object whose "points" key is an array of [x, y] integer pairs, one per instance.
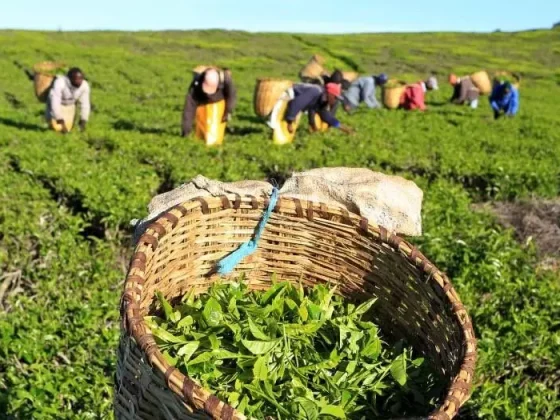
{"points": [[350, 76], [198, 70], [313, 70], [267, 93], [514, 78], [482, 81], [392, 92], [302, 240], [43, 78]]}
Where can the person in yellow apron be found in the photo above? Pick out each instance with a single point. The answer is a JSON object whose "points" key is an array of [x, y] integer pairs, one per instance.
{"points": [[314, 99], [210, 102], [65, 92]]}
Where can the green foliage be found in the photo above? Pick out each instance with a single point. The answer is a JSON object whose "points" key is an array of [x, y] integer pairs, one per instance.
{"points": [[65, 201], [289, 354]]}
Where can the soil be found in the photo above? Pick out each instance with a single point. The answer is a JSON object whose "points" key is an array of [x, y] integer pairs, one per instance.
{"points": [[535, 220]]}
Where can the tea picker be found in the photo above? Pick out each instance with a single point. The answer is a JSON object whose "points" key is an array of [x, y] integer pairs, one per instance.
{"points": [[504, 99], [316, 100], [363, 90], [464, 91], [414, 95], [210, 101], [65, 92]]}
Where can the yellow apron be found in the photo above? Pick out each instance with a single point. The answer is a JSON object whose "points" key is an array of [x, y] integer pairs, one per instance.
{"points": [[320, 124], [280, 133], [68, 114], [209, 125]]}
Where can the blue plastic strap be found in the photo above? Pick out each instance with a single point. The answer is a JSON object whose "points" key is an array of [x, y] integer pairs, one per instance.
{"points": [[228, 263]]}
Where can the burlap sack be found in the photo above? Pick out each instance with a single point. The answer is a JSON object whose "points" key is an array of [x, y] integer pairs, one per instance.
{"points": [[197, 187], [389, 201]]}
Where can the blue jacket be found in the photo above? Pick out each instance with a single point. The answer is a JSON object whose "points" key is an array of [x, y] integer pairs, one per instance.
{"points": [[313, 99], [507, 102], [362, 90]]}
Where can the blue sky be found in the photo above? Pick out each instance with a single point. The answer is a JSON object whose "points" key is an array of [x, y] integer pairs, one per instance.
{"points": [[324, 16]]}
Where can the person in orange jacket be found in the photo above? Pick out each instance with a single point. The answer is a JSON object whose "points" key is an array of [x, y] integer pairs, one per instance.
{"points": [[413, 95]]}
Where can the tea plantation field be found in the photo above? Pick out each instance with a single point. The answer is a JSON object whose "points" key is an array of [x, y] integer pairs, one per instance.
{"points": [[66, 201]]}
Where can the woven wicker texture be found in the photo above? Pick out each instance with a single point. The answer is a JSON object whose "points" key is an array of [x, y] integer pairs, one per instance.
{"points": [[514, 77], [267, 93], [201, 69], [313, 70], [42, 79], [482, 81], [350, 76], [324, 245], [392, 92]]}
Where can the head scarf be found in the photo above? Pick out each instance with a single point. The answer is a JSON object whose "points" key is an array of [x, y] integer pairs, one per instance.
{"points": [[431, 83], [334, 89], [382, 78]]}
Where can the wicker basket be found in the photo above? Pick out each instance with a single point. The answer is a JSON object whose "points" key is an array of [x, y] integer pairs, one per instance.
{"points": [[267, 93], [43, 79], [350, 76], [482, 81], [323, 244], [200, 69], [313, 70], [392, 92], [516, 78]]}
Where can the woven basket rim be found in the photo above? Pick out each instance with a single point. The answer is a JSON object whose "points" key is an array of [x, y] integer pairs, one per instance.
{"points": [[44, 66], [188, 390]]}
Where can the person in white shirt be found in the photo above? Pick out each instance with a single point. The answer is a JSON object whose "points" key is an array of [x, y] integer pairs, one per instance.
{"points": [[65, 92]]}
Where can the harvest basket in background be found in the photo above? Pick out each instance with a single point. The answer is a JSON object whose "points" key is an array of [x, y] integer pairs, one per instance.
{"points": [[303, 241], [392, 92], [201, 69], [267, 93], [43, 77], [514, 77], [350, 76], [313, 70], [482, 81]]}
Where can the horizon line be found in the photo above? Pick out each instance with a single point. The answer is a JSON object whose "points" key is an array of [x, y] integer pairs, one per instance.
{"points": [[496, 31]]}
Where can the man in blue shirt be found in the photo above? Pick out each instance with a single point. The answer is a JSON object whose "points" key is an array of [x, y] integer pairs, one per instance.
{"points": [[363, 90], [315, 99], [504, 100]]}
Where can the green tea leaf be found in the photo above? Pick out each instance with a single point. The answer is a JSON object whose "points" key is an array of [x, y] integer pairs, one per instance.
{"points": [[398, 370], [257, 331], [212, 312], [364, 307], [167, 337], [259, 347], [186, 322], [201, 358], [333, 410], [302, 311], [260, 370], [314, 311], [188, 350], [309, 409], [372, 349], [167, 309]]}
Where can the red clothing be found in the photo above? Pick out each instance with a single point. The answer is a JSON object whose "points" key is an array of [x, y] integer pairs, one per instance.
{"points": [[413, 97]]}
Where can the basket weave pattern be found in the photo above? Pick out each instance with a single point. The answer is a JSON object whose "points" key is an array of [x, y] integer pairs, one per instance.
{"points": [[267, 93], [42, 80], [302, 240], [391, 96], [482, 81]]}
